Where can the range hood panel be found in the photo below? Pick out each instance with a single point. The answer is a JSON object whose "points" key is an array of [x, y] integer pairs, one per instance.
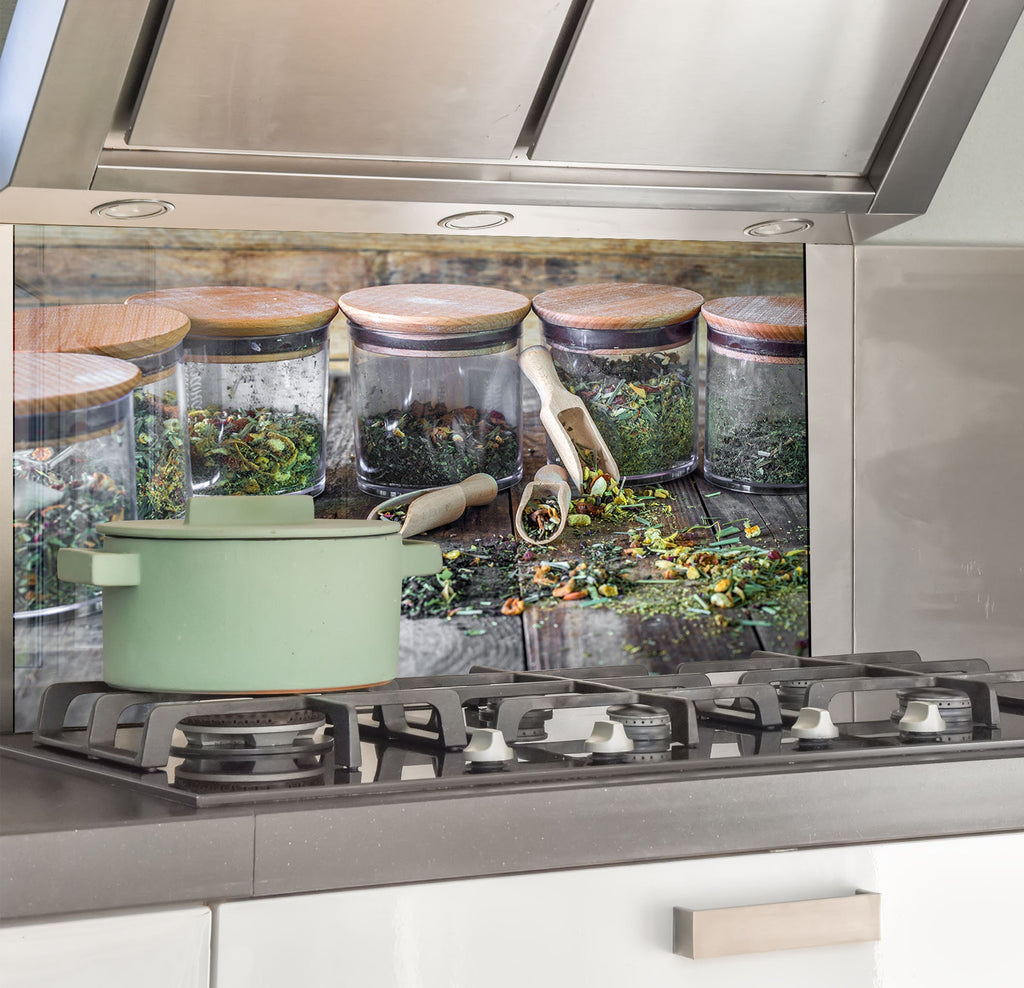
{"points": [[445, 79], [788, 108], [782, 86]]}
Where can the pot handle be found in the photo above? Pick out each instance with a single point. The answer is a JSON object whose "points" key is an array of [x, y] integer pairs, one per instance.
{"points": [[420, 558], [102, 569]]}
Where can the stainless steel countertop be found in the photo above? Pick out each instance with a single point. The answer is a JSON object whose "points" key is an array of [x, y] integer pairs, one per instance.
{"points": [[69, 844]]}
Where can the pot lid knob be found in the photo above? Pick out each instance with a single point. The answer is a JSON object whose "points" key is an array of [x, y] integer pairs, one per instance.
{"points": [[814, 724], [922, 717], [488, 745], [608, 737]]}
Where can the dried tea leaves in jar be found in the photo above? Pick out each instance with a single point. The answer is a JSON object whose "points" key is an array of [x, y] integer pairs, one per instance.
{"points": [[254, 451], [436, 444], [628, 351], [643, 407]]}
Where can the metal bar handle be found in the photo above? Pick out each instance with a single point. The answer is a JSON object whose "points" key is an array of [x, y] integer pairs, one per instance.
{"points": [[701, 933]]}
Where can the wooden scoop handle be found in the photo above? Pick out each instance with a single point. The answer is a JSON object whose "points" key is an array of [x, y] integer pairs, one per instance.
{"points": [[479, 489], [437, 508], [538, 366]]}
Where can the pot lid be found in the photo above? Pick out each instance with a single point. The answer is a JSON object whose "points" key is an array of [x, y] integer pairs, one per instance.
{"points": [[124, 331], [62, 382], [617, 306], [760, 317], [278, 516], [219, 311], [434, 310]]}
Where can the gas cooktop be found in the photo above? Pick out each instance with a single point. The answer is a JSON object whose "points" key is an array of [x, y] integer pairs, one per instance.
{"points": [[492, 727]]}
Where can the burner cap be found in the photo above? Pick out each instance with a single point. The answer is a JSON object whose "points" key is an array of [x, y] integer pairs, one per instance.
{"points": [[258, 730], [647, 726], [261, 719], [637, 714]]}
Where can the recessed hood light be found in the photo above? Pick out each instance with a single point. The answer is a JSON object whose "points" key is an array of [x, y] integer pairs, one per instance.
{"points": [[477, 219], [132, 209], [778, 228]]}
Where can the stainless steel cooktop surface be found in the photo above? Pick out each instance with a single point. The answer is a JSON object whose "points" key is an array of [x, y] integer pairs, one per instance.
{"points": [[495, 728]]}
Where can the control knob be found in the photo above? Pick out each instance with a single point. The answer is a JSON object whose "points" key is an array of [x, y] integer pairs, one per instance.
{"points": [[814, 724], [922, 717], [488, 747]]}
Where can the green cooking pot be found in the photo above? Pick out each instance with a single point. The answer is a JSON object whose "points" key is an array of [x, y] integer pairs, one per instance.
{"points": [[249, 594]]}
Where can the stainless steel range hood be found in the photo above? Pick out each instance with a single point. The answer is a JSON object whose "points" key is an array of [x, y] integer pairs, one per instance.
{"points": [[557, 117]]}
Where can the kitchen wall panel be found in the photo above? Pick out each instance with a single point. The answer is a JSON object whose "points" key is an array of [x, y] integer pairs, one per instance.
{"points": [[69, 265], [938, 451]]}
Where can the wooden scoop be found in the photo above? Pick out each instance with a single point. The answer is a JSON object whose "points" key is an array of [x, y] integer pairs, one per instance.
{"points": [[565, 418], [438, 506], [549, 481]]}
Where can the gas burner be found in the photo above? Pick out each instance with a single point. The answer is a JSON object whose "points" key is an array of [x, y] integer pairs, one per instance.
{"points": [[952, 706], [648, 727], [259, 731], [531, 726], [232, 752], [793, 693]]}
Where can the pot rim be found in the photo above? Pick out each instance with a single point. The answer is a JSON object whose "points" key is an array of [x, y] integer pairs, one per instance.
{"points": [[321, 528], [249, 518]]}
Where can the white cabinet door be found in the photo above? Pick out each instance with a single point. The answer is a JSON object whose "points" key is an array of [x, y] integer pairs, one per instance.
{"points": [[952, 911], [160, 948], [600, 926]]}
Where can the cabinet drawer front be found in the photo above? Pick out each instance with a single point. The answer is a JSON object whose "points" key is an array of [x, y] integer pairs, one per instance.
{"points": [[598, 926]]}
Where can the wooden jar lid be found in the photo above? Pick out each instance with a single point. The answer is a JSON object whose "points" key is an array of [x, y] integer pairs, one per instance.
{"points": [[219, 311], [112, 330], [434, 310], [758, 317], [61, 382], [617, 306]]}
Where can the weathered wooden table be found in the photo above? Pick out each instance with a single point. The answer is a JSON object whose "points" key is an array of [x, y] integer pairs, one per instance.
{"points": [[567, 635]]}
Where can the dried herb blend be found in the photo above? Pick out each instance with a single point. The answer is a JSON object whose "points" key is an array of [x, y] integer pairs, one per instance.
{"points": [[541, 518], [768, 450], [52, 513], [254, 451], [643, 407], [433, 445], [476, 580], [160, 452], [715, 575]]}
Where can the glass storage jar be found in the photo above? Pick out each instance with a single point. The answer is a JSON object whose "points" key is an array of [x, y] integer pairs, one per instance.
{"points": [[436, 395], [256, 386], [629, 351], [149, 337], [74, 467], [756, 416]]}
